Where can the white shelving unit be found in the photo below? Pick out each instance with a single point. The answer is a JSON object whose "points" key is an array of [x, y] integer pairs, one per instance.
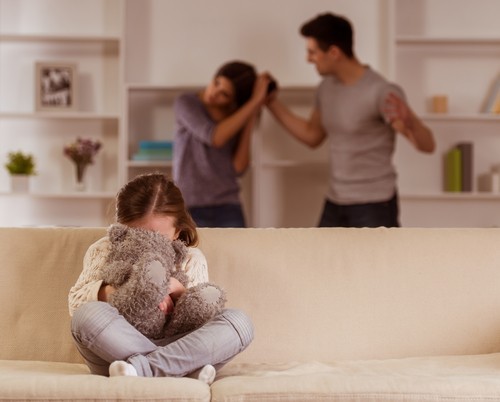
{"points": [[131, 66], [289, 180], [149, 116], [436, 54], [85, 33]]}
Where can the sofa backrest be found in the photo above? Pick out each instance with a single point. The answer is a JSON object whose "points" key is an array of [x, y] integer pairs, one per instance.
{"points": [[313, 294], [38, 266], [335, 294]]}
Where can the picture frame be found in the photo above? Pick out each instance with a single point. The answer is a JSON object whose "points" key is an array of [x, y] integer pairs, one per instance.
{"points": [[56, 86]]}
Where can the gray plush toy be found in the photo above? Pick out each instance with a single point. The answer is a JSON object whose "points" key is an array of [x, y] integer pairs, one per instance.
{"points": [[139, 266]]}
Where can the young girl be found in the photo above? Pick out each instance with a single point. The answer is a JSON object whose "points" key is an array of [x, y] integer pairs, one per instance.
{"points": [[212, 143], [107, 342]]}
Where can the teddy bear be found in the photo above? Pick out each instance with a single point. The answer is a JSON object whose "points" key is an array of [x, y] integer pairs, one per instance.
{"points": [[139, 266]]}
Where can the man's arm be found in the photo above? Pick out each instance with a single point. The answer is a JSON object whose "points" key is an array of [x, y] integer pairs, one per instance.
{"points": [[309, 132], [406, 122]]}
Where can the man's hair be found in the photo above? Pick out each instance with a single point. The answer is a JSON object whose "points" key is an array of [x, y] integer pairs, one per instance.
{"points": [[329, 29]]}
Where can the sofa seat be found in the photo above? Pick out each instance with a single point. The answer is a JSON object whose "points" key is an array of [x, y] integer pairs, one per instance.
{"points": [[443, 378], [340, 314], [43, 381]]}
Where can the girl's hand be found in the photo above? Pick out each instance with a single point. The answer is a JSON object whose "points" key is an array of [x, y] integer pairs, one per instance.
{"points": [[176, 290], [167, 305], [105, 292]]}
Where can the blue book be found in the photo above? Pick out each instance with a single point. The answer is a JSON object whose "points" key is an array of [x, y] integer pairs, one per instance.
{"points": [[155, 144], [155, 157], [155, 151]]}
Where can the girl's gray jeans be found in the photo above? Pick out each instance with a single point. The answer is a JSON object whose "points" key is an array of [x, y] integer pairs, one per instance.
{"points": [[103, 336]]}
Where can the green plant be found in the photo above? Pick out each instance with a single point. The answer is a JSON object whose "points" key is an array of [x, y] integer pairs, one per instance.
{"points": [[20, 163]]}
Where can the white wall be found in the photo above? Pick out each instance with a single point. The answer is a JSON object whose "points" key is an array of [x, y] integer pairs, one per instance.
{"points": [[166, 42], [184, 42]]}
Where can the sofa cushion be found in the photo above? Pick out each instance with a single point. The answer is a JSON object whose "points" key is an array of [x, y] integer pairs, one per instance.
{"points": [[330, 294], [446, 378], [43, 381], [39, 266]]}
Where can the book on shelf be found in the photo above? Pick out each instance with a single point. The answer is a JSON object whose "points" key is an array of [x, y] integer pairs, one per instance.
{"points": [[466, 163], [154, 151], [155, 144], [459, 173], [453, 170], [492, 101], [145, 157]]}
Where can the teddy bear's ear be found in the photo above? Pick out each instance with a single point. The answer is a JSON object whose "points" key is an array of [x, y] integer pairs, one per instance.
{"points": [[117, 232]]}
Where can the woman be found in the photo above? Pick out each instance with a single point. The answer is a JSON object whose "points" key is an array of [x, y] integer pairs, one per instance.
{"points": [[212, 143], [107, 342]]}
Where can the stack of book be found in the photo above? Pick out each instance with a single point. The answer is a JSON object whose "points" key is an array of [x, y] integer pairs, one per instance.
{"points": [[458, 168], [153, 151]]}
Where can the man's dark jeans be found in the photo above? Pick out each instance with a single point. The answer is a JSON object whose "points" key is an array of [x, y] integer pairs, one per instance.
{"points": [[372, 214]]}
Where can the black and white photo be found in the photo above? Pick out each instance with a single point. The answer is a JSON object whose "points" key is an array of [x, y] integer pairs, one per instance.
{"points": [[55, 86]]}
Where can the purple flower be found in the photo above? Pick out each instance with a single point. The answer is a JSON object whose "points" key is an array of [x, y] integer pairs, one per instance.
{"points": [[82, 151]]}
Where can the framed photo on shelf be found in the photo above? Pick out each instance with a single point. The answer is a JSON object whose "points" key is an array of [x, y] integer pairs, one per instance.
{"points": [[56, 86]]}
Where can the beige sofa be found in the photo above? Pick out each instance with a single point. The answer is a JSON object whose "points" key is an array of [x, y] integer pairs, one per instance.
{"points": [[340, 315]]}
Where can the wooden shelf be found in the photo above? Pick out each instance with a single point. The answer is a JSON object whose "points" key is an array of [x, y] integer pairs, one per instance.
{"points": [[60, 115], [451, 196], [422, 40], [473, 117], [33, 37], [287, 163], [89, 195], [146, 164], [160, 87]]}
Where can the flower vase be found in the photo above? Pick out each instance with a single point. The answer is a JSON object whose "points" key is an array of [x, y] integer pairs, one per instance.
{"points": [[80, 177]]}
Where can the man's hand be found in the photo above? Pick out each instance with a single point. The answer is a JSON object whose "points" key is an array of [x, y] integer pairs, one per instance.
{"points": [[404, 121], [398, 114]]}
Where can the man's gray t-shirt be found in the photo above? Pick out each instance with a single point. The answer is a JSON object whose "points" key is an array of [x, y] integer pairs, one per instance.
{"points": [[204, 174], [361, 141]]}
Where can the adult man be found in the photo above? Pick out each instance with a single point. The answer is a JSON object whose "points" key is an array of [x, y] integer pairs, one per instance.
{"points": [[360, 113]]}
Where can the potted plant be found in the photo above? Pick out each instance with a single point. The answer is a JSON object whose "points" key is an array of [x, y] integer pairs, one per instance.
{"points": [[21, 166]]}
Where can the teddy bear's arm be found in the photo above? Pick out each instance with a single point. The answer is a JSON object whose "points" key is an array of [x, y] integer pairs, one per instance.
{"points": [[139, 298], [181, 277], [195, 266], [195, 307], [115, 273]]}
